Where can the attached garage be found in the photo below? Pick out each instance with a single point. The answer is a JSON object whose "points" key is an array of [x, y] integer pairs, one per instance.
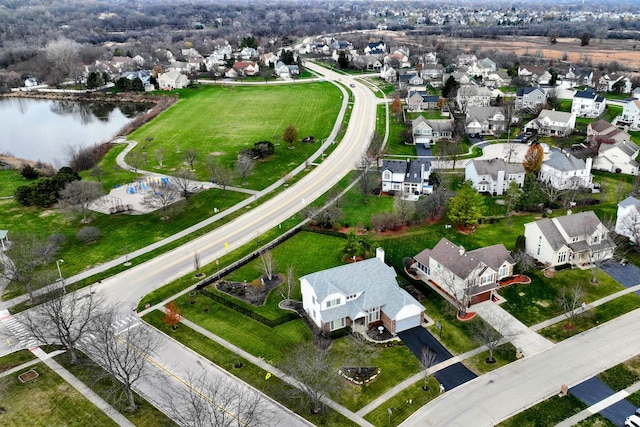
{"points": [[408, 317]]}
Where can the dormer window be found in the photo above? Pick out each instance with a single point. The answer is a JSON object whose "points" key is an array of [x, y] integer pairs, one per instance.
{"points": [[352, 296], [333, 302]]}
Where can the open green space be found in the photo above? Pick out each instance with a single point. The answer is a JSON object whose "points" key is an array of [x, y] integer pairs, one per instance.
{"points": [[93, 376], [274, 387], [546, 413], [14, 359], [47, 400], [221, 120], [397, 129]]}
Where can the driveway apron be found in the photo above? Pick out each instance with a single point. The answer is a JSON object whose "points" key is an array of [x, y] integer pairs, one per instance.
{"points": [[593, 391], [628, 275]]}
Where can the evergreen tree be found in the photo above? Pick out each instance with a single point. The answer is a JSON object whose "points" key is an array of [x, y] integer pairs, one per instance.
{"points": [[531, 197], [450, 89], [467, 206]]}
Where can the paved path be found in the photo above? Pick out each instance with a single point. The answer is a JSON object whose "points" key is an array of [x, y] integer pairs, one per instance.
{"points": [[530, 380], [519, 334]]}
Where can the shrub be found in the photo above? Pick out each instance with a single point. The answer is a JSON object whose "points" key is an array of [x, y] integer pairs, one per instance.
{"points": [[88, 234], [29, 172]]}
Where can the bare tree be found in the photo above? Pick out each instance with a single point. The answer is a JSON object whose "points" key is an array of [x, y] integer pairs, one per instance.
{"points": [[571, 299], [432, 206], [267, 264], [216, 402], [23, 260], [135, 160], [189, 156], [524, 261], [361, 351], [97, 172], [63, 320], [428, 358], [79, 195], [451, 150], [455, 287], [196, 261], [290, 135], [289, 283], [404, 208], [244, 165], [510, 149], [62, 54], [491, 332], [549, 188], [326, 216], [223, 176], [159, 155], [315, 373], [183, 179], [366, 177], [123, 354], [161, 196]]}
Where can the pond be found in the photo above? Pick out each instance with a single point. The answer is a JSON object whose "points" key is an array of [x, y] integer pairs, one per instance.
{"points": [[44, 130]]}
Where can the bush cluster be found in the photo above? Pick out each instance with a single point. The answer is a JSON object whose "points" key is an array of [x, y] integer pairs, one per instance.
{"points": [[44, 192]]}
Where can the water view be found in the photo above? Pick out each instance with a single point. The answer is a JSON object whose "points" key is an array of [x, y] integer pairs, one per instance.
{"points": [[37, 129]]}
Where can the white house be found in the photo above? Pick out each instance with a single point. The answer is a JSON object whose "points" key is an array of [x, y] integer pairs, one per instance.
{"points": [[31, 82], [172, 80], [485, 120], [614, 82], [628, 219], [552, 123], [575, 239], [630, 115], [473, 96], [411, 177], [375, 48], [494, 175], [616, 152], [530, 98], [465, 277], [388, 73], [428, 132], [564, 171], [482, 67], [359, 295], [587, 103]]}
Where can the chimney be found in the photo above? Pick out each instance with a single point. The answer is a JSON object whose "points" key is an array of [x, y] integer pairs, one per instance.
{"points": [[569, 212], [460, 250], [380, 254]]}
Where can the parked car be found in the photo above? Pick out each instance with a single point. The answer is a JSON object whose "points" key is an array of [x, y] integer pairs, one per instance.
{"points": [[632, 421], [352, 85]]}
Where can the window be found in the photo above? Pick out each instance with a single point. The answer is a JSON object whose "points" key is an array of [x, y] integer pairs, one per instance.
{"points": [[562, 257], [504, 271], [336, 324], [539, 244], [313, 299], [373, 314], [386, 175], [350, 297], [486, 279], [333, 302]]}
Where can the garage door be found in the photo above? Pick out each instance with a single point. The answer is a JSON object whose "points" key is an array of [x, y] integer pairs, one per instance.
{"points": [[408, 323]]}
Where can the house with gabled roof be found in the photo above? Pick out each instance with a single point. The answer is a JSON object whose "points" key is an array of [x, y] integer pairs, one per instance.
{"points": [[578, 77], [530, 98], [613, 82], [172, 80], [482, 67], [428, 132], [465, 59], [464, 277], [630, 115], [485, 120], [587, 103], [497, 78], [493, 176], [419, 101], [473, 96], [574, 239], [388, 73], [552, 123], [359, 295], [246, 68], [375, 48], [411, 177], [628, 219], [616, 152], [563, 171]]}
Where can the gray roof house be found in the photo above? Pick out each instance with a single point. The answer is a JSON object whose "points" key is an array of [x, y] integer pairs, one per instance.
{"points": [[530, 98], [359, 295], [616, 152], [464, 277], [552, 123], [627, 219], [411, 177], [419, 101], [575, 239], [564, 171], [428, 132], [494, 175], [587, 103], [485, 120]]}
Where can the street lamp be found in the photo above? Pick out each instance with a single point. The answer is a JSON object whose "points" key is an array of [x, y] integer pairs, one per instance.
{"points": [[60, 274]]}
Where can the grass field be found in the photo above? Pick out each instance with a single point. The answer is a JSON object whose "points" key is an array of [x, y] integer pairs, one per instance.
{"points": [[47, 401], [223, 120]]}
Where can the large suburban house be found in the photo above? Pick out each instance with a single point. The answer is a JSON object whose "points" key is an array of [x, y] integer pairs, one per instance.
{"points": [[564, 171], [485, 120], [428, 132], [616, 152], [630, 115], [420, 100], [172, 80], [473, 96], [578, 77], [411, 177], [628, 219], [464, 277], [587, 103], [575, 239], [613, 82], [494, 175], [530, 98], [359, 295], [482, 68], [552, 123]]}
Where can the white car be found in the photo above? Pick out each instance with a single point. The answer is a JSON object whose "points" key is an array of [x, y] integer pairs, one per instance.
{"points": [[632, 421]]}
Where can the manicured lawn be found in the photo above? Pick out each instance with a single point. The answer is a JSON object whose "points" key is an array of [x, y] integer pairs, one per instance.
{"points": [[547, 413], [11, 179], [14, 359], [224, 120], [504, 355], [47, 401], [85, 371], [404, 404], [226, 359], [396, 363], [396, 143]]}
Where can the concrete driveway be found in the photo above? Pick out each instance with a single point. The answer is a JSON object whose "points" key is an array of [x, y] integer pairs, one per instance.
{"points": [[593, 391], [450, 377], [628, 275]]}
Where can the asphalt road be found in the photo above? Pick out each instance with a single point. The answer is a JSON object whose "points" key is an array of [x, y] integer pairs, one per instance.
{"points": [[498, 395], [593, 391]]}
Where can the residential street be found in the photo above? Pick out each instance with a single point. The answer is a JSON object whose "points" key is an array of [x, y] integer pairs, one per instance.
{"points": [[496, 396]]}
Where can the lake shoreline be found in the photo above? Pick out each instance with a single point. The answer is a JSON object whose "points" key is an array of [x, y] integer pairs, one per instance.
{"points": [[80, 97]]}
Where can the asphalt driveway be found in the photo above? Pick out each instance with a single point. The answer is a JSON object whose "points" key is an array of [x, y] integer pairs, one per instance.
{"points": [[450, 377], [628, 275], [593, 391]]}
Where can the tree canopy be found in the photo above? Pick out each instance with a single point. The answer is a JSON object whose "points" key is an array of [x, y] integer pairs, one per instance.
{"points": [[467, 206]]}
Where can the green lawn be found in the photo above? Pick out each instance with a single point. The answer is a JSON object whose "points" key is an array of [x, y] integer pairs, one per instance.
{"points": [[14, 359], [396, 143], [10, 179], [546, 413], [225, 119], [47, 401]]}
